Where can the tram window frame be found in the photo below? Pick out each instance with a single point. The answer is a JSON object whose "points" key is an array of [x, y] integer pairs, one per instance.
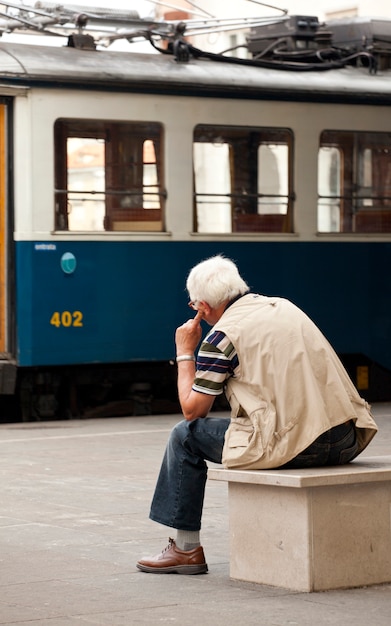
{"points": [[238, 197], [126, 190], [361, 200]]}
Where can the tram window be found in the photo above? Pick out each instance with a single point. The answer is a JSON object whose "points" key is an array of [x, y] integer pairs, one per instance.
{"points": [[108, 176], [85, 166], [242, 180], [354, 182], [213, 209], [329, 189], [273, 190]]}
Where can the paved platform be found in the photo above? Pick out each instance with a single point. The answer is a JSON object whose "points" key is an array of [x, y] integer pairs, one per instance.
{"points": [[75, 498]]}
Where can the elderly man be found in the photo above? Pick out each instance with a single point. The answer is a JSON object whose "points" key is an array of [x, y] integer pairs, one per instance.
{"points": [[292, 403]]}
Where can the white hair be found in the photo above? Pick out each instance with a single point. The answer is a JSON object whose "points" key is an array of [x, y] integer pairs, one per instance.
{"points": [[215, 281]]}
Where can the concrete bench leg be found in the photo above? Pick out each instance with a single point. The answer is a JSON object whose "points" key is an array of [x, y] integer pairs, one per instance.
{"points": [[310, 539]]}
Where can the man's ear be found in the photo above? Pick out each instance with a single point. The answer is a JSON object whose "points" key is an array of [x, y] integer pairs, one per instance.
{"points": [[204, 307]]}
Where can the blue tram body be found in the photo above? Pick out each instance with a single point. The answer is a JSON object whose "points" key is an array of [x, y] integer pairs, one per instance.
{"points": [[304, 209], [131, 297]]}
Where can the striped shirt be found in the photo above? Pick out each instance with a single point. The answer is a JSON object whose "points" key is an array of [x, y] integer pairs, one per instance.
{"points": [[216, 361]]}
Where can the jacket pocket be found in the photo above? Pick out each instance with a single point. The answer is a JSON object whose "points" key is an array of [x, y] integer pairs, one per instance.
{"points": [[239, 434], [243, 443]]}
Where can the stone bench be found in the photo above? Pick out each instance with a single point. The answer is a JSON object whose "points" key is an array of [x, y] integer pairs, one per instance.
{"points": [[311, 529]]}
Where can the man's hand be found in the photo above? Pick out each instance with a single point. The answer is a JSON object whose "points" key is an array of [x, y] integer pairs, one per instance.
{"points": [[188, 336]]}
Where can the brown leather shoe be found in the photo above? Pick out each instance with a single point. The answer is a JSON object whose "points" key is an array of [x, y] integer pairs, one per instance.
{"points": [[175, 561]]}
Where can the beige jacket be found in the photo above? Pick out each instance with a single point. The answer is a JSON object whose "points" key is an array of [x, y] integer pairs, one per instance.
{"points": [[291, 386]]}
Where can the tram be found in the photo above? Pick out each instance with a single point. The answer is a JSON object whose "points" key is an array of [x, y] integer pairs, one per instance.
{"points": [[120, 170]]}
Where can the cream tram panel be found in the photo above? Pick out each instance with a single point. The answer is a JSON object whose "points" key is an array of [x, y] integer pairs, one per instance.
{"points": [[34, 151]]}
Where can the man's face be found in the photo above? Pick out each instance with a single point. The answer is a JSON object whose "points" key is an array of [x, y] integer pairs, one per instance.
{"points": [[209, 314]]}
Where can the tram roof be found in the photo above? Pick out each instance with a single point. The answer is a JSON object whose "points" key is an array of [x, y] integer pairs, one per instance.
{"points": [[67, 67]]}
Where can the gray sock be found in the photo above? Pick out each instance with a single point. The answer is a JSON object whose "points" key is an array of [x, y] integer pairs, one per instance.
{"points": [[187, 539]]}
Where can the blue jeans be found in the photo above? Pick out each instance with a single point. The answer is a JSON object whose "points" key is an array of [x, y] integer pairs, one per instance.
{"points": [[179, 494], [337, 446]]}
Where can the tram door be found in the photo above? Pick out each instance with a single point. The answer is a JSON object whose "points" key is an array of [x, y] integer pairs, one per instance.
{"points": [[3, 232]]}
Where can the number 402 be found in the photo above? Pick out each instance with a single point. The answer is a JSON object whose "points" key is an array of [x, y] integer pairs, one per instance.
{"points": [[67, 319]]}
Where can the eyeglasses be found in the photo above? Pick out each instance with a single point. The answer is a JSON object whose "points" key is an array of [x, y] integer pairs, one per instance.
{"points": [[193, 305]]}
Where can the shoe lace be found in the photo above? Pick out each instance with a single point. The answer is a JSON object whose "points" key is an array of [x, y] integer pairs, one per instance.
{"points": [[171, 543]]}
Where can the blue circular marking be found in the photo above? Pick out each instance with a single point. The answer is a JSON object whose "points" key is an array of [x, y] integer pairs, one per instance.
{"points": [[68, 263]]}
